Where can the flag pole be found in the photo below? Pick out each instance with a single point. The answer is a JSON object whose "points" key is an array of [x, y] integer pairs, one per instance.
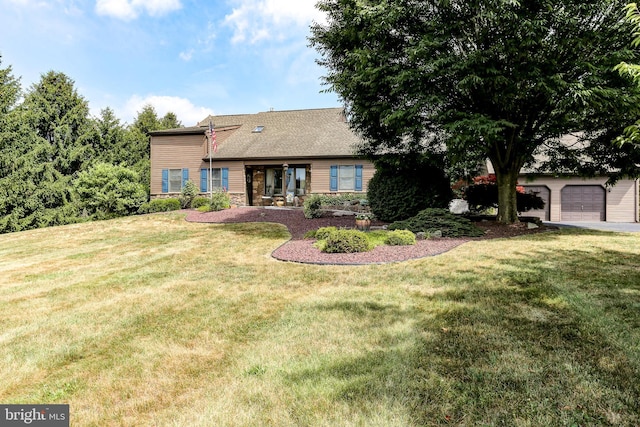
{"points": [[210, 159]]}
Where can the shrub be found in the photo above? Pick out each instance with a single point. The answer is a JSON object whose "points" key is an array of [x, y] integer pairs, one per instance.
{"points": [[220, 200], [107, 191], [429, 220], [483, 194], [400, 238], [323, 232], [400, 188], [311, 206], [200, 201], [188, 194], [346, 241], [160, 205], [528, 201]]}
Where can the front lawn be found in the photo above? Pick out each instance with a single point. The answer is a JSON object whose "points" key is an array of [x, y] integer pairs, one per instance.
{"points": [[155, 321]]}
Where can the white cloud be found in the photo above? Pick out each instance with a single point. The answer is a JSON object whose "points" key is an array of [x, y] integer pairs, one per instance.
{"points": [[256, 20], [186, 112], [131, 9], [186, 56]]}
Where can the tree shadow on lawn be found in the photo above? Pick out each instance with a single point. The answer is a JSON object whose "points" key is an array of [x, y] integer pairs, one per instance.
{"points": [[524, 342]]}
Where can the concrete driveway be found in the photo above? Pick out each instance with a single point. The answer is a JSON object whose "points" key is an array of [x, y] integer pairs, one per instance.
{"points": [[623, 227]]}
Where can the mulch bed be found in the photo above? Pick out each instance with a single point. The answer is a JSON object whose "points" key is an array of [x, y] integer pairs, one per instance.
{"points": [[302, 250]]}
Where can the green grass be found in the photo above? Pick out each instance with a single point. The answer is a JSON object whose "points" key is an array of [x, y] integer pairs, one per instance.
{"points": [[155, 321]]}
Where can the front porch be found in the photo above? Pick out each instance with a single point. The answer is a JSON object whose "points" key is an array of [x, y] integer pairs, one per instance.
{"points": [[277, 184]]}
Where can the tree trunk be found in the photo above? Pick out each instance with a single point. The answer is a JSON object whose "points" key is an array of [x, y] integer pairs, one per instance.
{"points": [[507, 206]]}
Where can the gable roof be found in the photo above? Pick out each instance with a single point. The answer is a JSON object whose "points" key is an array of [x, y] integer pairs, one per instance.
{"points": [[285, 134]]}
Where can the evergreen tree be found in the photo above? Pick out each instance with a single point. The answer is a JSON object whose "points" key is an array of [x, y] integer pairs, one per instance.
{"points": [[60, 117]]}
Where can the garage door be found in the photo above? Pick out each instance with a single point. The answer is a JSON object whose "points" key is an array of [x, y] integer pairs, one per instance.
{"points": [[582, 203], [542, 192]]}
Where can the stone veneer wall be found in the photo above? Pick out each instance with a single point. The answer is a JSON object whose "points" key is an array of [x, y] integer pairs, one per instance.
{"points": [[238, 199]]}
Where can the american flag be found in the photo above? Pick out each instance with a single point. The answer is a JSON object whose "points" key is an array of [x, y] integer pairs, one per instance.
{"points": [[212, 135]]}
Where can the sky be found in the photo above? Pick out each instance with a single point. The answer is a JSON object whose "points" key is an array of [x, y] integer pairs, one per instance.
{"points": [[191, 57]]}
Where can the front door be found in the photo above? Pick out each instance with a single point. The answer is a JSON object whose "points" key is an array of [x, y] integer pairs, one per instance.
{"points": [[249, 180]]}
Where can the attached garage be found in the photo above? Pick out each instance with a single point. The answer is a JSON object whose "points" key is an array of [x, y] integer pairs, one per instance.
{"points": [[583, 203], [584, 199], [545, 194]]}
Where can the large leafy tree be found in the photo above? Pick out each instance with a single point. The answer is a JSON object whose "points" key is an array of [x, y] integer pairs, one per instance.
{"points": [[496, 79], [632, 133]]}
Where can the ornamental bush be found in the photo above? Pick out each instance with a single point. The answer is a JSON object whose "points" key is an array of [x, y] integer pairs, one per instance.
{"points": [[400, 188], [483, 194], [188, 194], [311, 206], [429, 220], [107, 191], [199, 202], [220, 200], [400, 238], [346, 241], [323, 232], [160, 205]]}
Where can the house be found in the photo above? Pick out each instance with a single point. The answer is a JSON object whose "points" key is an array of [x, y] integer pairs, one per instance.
{"points": [[274, 156], [262, 158]]}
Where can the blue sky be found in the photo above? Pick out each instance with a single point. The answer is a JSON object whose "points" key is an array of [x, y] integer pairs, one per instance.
{"points": [[191, 57]]}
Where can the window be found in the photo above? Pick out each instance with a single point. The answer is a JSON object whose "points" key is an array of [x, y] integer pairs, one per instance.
{"points": [[273, 181], [174, 179], [258, 129], [296, 180], [345, 178], [219, 179]]}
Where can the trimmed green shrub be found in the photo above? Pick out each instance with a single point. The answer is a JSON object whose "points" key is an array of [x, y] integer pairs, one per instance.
{"points": [[346, 241], [107, 191], [160, 205], [429, 220], [311, 206], [400, 188], [323, 232], [220, 200], [200, 201], [188, 193], [400, 238]]}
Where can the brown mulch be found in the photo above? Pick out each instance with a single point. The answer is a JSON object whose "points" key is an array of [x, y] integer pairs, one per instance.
{"points": [[302, 250]]}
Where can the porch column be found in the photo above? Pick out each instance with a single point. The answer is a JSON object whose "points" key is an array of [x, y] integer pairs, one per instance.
{"points": [[285, 168]]}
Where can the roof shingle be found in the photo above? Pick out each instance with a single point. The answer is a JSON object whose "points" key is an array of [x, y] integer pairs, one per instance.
{"points": [[296, 133]]}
